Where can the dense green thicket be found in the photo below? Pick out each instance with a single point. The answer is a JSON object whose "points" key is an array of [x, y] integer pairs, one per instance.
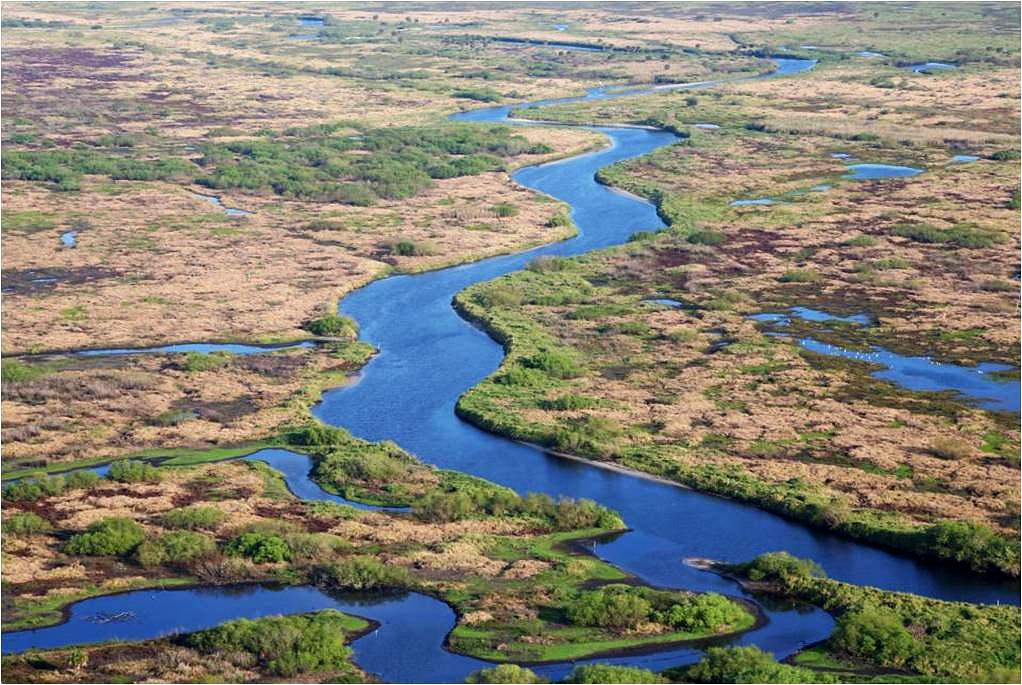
{"points": [[26, 523], [114, 536], [779, 567], [624, 607], [314, 163], [388, 163], [176, 547], [284, 645], [127, 471], [746, 665], [332, 326], [379, 472], [260, 547], [65, 168], [880, 629], [193, 518], [32, 489]]}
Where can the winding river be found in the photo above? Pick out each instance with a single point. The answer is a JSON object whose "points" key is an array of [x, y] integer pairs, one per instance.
{"points": [[428, 357]]}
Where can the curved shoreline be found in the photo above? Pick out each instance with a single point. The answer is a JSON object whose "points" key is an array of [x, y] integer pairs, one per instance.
{"points": [[661, 646]]}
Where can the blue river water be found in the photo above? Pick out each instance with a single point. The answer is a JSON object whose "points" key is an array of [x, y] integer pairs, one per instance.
{"points": [[974, 383], [428, 357]]}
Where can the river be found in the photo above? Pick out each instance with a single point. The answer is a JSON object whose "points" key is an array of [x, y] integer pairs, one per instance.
{"points": [[428, 357]]}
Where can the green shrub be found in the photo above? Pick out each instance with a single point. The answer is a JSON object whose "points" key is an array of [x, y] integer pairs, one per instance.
{"points": [[876, 634], [605, 673], [404, 248], [505, 209], [591, 435], [175, 548], [780, 566], [554, 363], [1005, 155], [361, 573], [332, 326], [712, 238], [701, 613], [521, 376], [891, 263], [548, 264], [14, 371], [862, 240], [127, 471], [26, 523], [442, 507], [283, 645], [559, 219], [747, 665], [613, 607], [260, 547], [114, 536], [505, 673], [78, 480], [567, 402], [799, 276], [320, 435], [1015, 200], [32, 489], [197, 361], [480, 95], [960, 235], [363, 463], [193, 518], [972, 543]]}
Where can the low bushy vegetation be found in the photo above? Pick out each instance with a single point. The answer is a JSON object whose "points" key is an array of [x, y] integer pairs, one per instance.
{"points": [[505, 673], [361, 573], [65, 168], [193, 518], [115, 536], [386, 163], [960, 235], [332, 326], [26, 523], [779, 567], [894, 630], [175, 548], [621, 608], [606, 673], [746, 665], [284, 646], [260, 547], [196, 362], [128, 471], [32, 489]]}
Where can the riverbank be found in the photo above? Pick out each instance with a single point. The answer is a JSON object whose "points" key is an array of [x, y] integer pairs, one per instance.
{"points": [[972, 642]]}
